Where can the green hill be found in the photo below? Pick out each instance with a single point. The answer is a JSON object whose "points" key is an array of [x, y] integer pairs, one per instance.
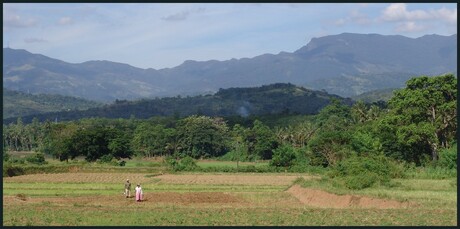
{"points": [[270, 99], [17, 103]]}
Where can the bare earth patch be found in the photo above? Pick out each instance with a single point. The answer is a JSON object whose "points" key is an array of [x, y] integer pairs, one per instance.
{"points": [[149, 198], [322, 199]]}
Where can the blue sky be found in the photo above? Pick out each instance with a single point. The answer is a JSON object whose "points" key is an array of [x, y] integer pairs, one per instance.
{"points": [[163, 35]]}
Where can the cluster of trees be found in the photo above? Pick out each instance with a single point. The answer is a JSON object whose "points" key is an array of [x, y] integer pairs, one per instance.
{"points": [[418, 122]]}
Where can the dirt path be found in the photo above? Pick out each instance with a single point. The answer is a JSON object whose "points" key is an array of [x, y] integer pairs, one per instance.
{"points": [[322, 199]]}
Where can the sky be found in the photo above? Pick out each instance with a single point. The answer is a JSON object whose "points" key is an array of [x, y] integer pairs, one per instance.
{"points": [[164, 35]]}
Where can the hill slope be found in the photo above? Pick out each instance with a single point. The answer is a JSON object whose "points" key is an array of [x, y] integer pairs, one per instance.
{"points": [[22, 104], [269, 99], [346, 64]]}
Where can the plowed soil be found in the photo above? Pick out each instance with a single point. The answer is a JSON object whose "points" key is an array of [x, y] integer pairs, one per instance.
{"points": [[149, 198], [322, 199]]}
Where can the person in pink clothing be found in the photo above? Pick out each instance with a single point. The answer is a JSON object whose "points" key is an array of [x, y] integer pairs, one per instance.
{"points": [[138, 193]]}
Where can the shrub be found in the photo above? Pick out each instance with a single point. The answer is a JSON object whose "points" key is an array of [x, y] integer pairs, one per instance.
{"points": [[363, 172], [6, 156], [122, 163], [36, 158], [185, 164], [283, 156], [16, 160], [448, 158], [106, 158], [9, 170], [361, 181]]}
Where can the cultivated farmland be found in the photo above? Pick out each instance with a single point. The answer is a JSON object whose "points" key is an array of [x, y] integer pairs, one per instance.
{"points": [[92, 198]]}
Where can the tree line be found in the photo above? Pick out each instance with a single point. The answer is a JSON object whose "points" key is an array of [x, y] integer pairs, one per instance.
{"points": [[415, 126]]}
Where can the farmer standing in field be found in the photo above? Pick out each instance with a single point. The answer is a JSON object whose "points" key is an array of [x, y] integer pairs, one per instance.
{"points": [[127, 188], [138, 193]]}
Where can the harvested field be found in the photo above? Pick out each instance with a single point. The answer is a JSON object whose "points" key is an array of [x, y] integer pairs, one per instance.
{"points": [[149, 198], [97, 199], [322, 199], [237, 179], [241, 179], [80, 178]]}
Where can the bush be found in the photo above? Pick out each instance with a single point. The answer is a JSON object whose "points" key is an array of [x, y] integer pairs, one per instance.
{"points": [[361, 181], [16, 160], [106, 158], [10, 171], [122, 163], [448, 158], [363, 172], [36, 158], [283, 156], [6, 156], [185, 164]]}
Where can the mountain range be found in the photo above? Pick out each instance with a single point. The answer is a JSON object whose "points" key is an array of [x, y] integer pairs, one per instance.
{"points": [[345, 64]]}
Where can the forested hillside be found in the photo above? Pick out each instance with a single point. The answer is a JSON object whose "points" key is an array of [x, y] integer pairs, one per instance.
{"points": [[16, 103], [270, 99]]}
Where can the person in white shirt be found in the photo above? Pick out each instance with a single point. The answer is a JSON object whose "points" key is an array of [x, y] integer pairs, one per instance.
{"points": [[138, 193]]}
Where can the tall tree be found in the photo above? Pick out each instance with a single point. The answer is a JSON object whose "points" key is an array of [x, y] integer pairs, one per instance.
{"points": [[425, 112], [202, 136]]}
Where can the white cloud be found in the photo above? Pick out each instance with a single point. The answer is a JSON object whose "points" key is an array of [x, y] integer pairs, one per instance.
{"points": [[411, 21], [13, 20], [65, 21], [399, 12], [447, 15], [409, 26]]}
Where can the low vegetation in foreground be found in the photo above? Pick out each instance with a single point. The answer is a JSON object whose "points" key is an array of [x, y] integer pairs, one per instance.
{"points": [[94, 196]]}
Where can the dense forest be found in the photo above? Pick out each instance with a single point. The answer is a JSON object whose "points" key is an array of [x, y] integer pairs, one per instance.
{"points": [[16, 103], [264, 100], [418, 125]]}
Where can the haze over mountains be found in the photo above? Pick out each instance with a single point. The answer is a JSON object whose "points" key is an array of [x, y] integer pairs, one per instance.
{"points": [[346, 64]]}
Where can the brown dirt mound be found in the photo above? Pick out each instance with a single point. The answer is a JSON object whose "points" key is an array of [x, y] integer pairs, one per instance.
{"points": [[322, 199]]}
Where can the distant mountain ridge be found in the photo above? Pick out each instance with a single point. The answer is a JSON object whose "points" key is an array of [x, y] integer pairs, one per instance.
{"points": [[346, 64]]}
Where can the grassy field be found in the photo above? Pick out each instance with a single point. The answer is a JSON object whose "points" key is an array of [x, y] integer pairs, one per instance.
{"points": [[95, 198]]}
